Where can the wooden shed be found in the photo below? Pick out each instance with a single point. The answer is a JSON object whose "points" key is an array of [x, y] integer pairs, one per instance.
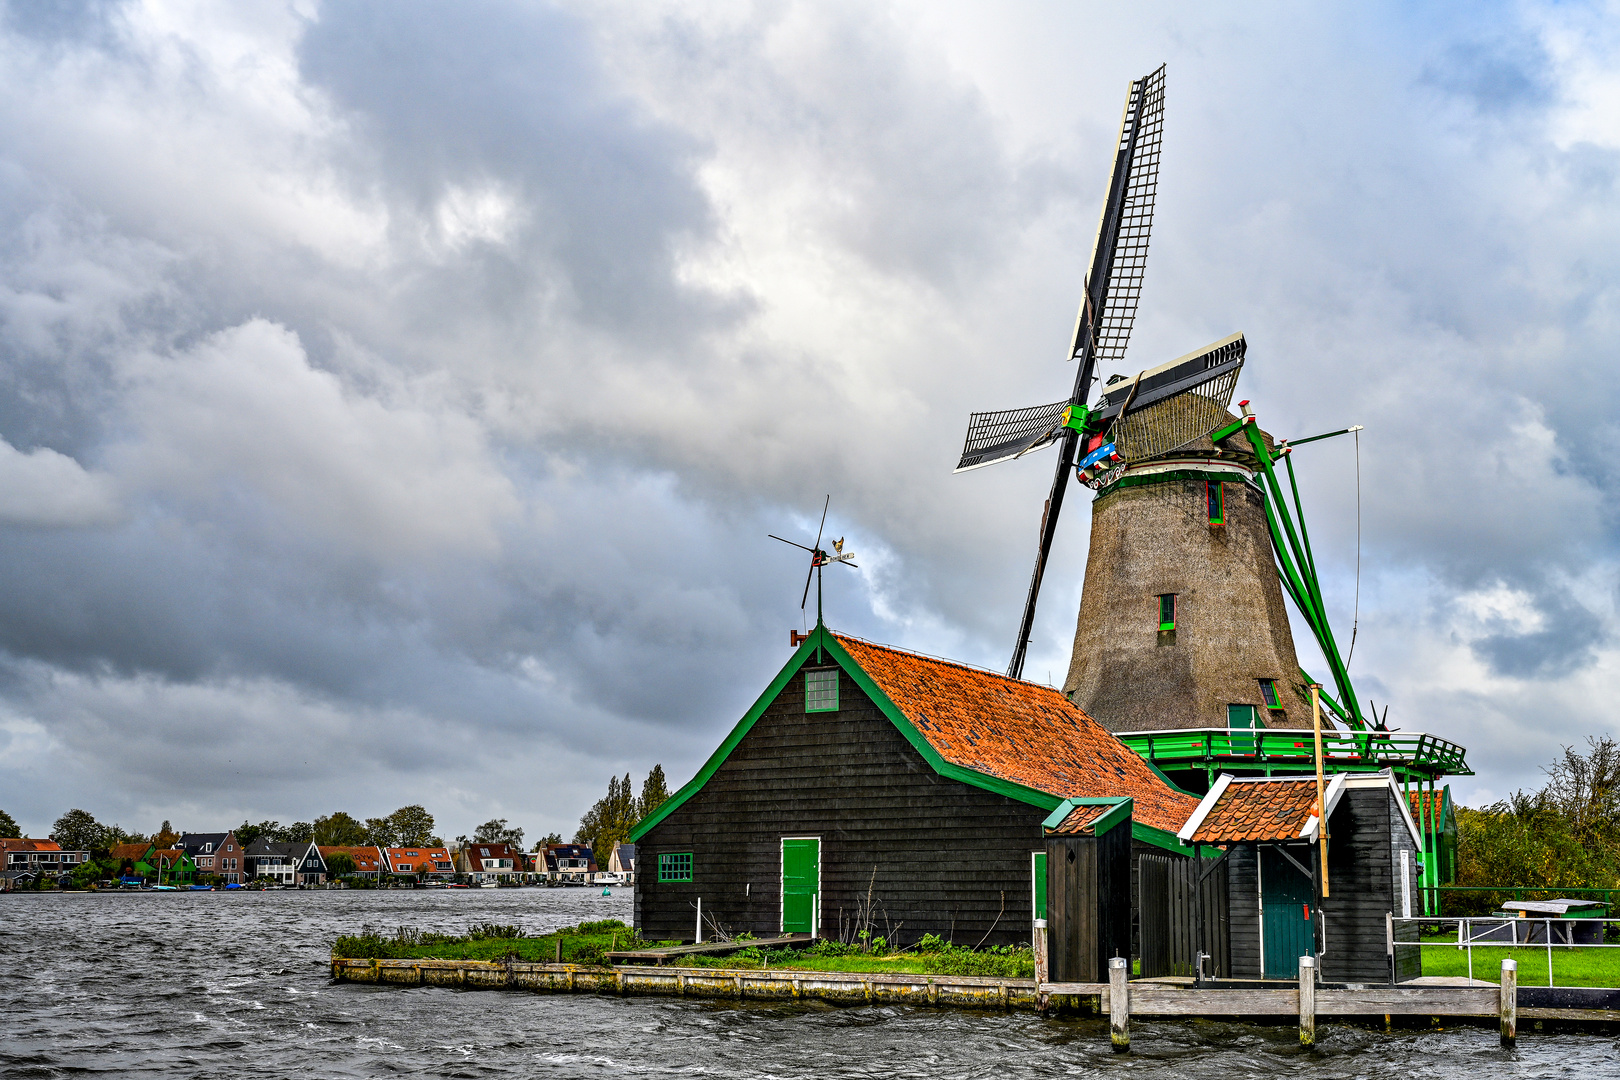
{"points": [[1277, 908], [1086, 898], [870, 788]]}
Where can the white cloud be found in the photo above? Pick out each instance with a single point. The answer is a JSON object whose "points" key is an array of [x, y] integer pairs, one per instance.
{"points": [[43, 487]]}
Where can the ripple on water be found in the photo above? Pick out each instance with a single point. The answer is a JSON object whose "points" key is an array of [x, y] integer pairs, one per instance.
{"points": [[227, 984]]}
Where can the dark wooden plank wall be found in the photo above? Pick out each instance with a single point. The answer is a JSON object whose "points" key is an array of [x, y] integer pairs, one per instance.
{"points": [[1217, 919], [1363, 866], [1088, 903], [1243, 911], [1073, 911], [938, 856], [1408, 959]]}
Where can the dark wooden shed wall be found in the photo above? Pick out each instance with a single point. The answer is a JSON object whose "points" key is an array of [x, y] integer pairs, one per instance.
{"points": [[938, 856], [1366, 835], [1088, 903]]}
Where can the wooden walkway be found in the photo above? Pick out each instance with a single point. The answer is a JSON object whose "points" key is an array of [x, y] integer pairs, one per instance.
{"points": [[713, 948]]}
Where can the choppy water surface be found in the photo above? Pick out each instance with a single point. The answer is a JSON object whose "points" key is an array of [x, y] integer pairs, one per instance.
{"points": [[235, 984]]}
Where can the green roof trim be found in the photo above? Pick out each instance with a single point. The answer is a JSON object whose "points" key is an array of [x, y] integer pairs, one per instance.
{"points": [[1159, 838], [1122, 806], [821, 638]]}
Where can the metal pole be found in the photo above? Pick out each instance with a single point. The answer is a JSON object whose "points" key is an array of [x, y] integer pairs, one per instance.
{"points": [[1307, 1001], [1549, 952], [1507, 1002], [1119, 1004], [1321, 816]]}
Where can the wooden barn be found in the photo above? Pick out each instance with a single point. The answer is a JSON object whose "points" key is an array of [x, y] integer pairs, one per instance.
{"points": [[874, 789], [1276, 909]]}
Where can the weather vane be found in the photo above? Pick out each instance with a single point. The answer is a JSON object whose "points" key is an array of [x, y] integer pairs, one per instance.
{"points": [[820, 558]]}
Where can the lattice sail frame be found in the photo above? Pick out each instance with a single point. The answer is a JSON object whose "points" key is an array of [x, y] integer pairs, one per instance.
{"points": [[1129, 263], [1169, 425], [1009, 433]]}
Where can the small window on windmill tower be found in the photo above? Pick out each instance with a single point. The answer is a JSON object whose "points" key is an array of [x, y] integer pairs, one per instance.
{"points": [[1167, 611], [1268, 694], [821, 690], [1217, 507]]}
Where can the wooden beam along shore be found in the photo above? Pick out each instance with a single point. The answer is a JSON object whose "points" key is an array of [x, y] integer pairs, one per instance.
{"points": [[1141, 999]]}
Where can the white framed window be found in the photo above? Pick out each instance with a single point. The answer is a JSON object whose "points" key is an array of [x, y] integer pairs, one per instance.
{"points": [[821, 690]]}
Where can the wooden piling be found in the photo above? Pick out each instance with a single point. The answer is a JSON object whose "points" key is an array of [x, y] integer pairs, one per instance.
{"points": [[1307, 1001], [1119, 1004], [1508, 1002], [1043, 968]]}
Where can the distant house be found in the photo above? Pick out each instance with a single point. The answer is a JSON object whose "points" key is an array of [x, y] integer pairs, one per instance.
{"points": [[170, 866], [1277, 912], [369, 863], [868, 771], [499, 863], [623, 861], [217, 854], [568, 864], [32, 860], [294, 863], [425, 862]]}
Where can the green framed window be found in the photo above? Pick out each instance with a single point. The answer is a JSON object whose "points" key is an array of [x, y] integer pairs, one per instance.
{"points": [[821, 690], [1217, 504], [675, 866], [1268, 693], [1167, 611]]}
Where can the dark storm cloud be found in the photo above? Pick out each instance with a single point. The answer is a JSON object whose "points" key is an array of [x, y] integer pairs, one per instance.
{"points": [[1567, 642], [520, 99]]}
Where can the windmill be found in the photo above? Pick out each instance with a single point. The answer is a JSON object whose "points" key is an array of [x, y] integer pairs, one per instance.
{"points": [[820, 558], [1169, 426]]}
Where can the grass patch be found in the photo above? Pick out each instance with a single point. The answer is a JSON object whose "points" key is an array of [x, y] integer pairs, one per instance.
{"points": [[1570, 966], [587, 943], [582, 944]]}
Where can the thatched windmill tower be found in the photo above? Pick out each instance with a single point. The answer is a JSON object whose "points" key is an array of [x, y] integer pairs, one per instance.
{"points": [[1182, 622]]}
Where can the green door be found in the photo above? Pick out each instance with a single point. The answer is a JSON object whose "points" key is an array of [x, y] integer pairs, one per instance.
{"points": [[1240, 720], [1037, 875], [1285, 909], [801, 885]]}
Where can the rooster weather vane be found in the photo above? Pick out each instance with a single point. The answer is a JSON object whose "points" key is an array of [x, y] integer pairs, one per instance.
{"points": [[820, 558]]}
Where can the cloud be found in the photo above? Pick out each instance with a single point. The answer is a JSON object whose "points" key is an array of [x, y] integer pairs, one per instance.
{"points": [[43, 487], [408, 391]]}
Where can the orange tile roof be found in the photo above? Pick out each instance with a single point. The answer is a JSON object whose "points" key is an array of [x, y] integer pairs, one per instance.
{"points": [[366, 859], [1260, 809], [1018, 731], [129, 851], [22, 843], [1080, 819], [1419, 803]]}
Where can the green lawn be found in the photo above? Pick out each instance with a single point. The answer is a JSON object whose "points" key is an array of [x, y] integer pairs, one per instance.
{"points": [[586, 944], [1570, 967]]}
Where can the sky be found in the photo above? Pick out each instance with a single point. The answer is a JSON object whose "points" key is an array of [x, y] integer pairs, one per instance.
{"points": [[396, 396]]}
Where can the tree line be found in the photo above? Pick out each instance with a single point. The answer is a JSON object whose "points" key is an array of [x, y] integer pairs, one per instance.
{"points": [[1566, 835], [612, 817]]}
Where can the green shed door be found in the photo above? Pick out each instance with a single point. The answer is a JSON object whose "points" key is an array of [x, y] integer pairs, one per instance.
{"points": [[1037, 873], [1285, 909], [801, 885]]}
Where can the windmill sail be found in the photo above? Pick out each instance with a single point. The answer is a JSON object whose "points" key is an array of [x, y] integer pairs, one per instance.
{"points": [[1000, 436], [1107, 313], [1174, 404]]}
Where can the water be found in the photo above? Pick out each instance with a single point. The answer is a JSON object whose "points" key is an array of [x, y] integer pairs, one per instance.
{"points": [[236, 984]]}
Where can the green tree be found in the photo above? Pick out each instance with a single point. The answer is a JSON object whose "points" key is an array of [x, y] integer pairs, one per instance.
{"points": [[380, 832], [609, 820], [165, 838], [549, 838], [339, 829], [264, 830], [299, 832], [8, 825], [654, 793], [496, 831], [77, 830], [340, 865], [413, 825]]}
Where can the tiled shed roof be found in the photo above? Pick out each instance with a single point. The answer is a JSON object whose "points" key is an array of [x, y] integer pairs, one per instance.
{"points": [[1419, 803], [1019, 731], [1259, 809], [1080, 819]]}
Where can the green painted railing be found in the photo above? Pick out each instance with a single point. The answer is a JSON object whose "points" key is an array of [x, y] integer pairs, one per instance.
{"points": [[1293, 748]]}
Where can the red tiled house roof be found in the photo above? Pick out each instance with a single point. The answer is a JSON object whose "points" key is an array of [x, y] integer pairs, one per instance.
{"points": [[1259, 809], [1019, 731], [366, 859], [1080, 820], [1020, 739]]}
